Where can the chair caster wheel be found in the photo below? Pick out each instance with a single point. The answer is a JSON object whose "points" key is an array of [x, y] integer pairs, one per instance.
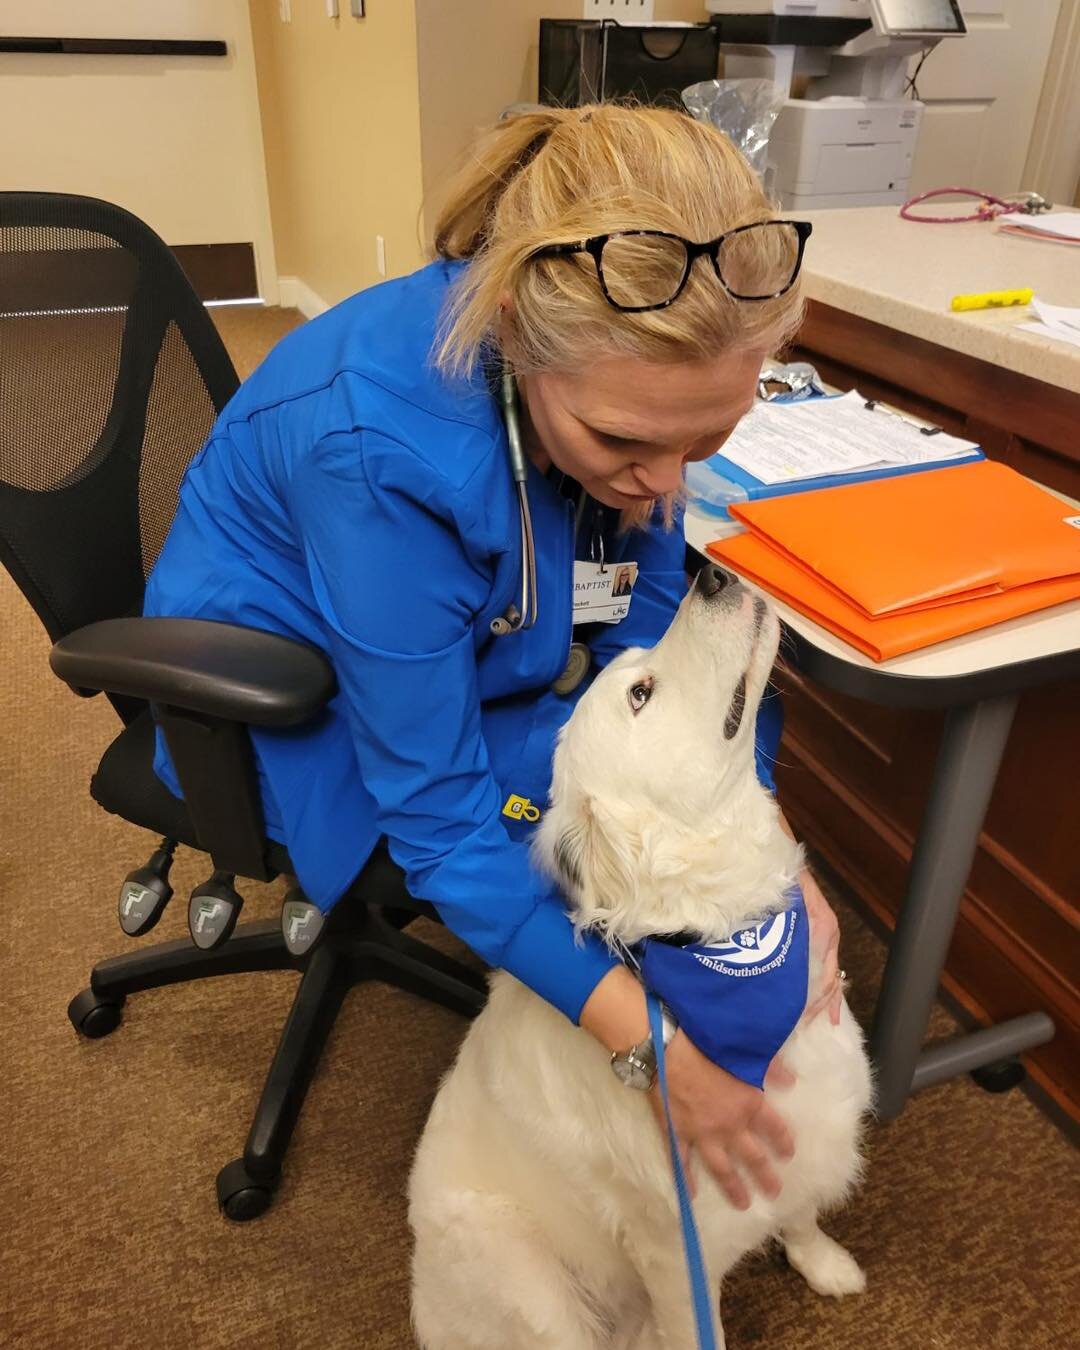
{"points": [[93, 1016], [240, 1196], [1000, 1076]]}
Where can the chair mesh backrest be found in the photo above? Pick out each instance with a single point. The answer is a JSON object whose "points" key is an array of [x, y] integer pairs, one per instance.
{"points": [[111, 376]]}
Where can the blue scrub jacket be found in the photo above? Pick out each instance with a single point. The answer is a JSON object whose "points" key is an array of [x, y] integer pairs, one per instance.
{"points": [[352, 498]]}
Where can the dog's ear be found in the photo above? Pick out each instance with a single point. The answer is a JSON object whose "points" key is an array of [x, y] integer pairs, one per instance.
{"points": [[567, 857], [596, 854], [607, 856]]}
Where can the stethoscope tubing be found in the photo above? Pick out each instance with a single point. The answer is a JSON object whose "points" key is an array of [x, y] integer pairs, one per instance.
{"points": [[989, 208], [524, 615]]}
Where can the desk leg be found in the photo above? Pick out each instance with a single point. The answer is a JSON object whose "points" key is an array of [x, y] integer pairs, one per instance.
{"points": [[967, 766]]}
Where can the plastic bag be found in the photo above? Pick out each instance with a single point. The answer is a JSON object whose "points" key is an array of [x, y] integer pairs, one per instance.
{"points": [[800, 380], [744, 110]]}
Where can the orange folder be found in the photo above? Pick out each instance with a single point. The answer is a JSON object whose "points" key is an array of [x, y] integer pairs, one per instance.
{"points": [[893, 565], [940, 537], [891, 634]]}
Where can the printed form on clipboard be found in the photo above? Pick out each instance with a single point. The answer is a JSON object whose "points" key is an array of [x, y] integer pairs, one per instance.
{"points": [[781, 447]]}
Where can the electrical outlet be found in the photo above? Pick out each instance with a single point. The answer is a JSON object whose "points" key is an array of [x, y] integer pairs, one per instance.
{"points": [[285, 10], [626, 11], [380, 255]]}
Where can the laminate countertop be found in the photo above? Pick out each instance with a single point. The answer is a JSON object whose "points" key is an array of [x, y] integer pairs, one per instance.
{"points": [[870, 262]]}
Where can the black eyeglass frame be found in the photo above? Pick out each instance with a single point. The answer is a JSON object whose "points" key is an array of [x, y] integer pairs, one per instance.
{"points": [[595, 248]]}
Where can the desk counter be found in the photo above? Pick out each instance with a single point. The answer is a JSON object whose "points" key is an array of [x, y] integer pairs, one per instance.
{"points": [[854, 775], [872, 263]]}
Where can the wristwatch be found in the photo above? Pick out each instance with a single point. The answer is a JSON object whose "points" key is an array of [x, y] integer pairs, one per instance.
{"points": [[636, 1067]]}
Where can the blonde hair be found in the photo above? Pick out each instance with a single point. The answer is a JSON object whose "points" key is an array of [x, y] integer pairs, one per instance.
{"points": [[560, 175]]}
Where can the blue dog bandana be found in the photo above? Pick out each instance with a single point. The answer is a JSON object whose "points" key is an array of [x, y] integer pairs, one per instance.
{"points": [[739, 1000]]}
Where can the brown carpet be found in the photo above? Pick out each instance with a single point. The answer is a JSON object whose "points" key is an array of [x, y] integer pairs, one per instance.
{"points": [[967, 1225]]}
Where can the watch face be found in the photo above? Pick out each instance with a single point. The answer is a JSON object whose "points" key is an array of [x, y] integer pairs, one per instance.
{"points": [[631, 1074]]}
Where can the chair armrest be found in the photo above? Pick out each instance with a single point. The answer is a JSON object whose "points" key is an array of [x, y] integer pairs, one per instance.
{"points": [[220, 669]]}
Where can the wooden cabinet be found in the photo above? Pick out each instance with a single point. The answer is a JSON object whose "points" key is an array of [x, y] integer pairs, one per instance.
{"points": [[854, 777]]}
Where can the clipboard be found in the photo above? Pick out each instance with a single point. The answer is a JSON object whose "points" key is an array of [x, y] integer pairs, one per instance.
{"points": [[751, 488]]}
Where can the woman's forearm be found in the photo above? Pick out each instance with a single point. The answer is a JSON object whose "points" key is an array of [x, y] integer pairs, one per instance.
{"points": [[615, 1011]]}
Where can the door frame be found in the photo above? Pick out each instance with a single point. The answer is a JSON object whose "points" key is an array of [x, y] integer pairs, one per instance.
{"points": [[1052, 166]]}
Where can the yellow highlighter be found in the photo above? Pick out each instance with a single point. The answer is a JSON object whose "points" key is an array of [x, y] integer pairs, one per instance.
{"points": [[993, 299]]}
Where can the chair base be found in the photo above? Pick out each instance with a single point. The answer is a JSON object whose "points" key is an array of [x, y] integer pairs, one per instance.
{"points": [[360, 942]]}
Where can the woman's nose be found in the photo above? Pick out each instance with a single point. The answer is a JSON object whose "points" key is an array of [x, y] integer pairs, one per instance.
{"points": [[661, 476]]}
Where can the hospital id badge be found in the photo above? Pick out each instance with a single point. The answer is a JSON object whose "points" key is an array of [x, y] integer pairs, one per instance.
{"points": [[603, 591]]}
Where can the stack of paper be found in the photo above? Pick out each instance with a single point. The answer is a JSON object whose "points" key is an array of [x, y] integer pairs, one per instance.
{"points": [[779, 448], [894, 566], [1059, 227], [824, 436], [1056, 321]]}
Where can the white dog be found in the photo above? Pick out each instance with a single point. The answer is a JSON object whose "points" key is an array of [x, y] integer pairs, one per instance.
{"points": [[541, 1198]]}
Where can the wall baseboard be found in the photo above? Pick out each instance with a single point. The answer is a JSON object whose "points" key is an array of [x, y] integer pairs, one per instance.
{"points": [[219, 271], [293, 293]]}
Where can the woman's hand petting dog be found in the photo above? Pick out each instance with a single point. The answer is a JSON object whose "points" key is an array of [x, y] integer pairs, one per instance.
{"points": [[730, 1125]]}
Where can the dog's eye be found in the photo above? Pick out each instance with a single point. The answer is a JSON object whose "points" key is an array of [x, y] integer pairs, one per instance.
{"points": [[639, 694]]}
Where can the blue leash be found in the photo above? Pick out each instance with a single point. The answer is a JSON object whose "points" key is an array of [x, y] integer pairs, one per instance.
{"points": [[699, 1285]]}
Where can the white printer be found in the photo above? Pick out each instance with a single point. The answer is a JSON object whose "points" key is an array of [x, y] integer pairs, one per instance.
{"points": [[840, 151], [850, 139]]}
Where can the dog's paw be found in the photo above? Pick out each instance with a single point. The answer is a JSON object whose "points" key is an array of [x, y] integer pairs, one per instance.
{"points": [[826, 1267]]}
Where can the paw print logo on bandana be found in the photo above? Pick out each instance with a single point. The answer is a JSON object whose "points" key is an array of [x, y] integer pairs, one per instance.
{"points": [[748, 948]]}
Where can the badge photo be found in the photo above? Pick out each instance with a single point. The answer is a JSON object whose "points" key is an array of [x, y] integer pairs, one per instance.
{"points": [[603, 591]]}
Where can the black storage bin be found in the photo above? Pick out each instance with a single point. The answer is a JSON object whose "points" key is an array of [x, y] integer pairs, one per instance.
{"points": [[591, 61]]}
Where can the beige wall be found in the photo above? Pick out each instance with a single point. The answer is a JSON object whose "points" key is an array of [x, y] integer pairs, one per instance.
{"points": [[341, 124], [475, 58], [364, 120], [176, 140]]}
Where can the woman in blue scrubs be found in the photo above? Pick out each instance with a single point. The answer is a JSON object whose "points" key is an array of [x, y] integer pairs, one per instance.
{"points": [[356, 494]]}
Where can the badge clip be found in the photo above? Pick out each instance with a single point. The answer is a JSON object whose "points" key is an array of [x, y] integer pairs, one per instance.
{"points": [[520, 808]]}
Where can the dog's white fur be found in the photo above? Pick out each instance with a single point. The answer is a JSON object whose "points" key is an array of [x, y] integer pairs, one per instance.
{"points": [[541, 1197]]}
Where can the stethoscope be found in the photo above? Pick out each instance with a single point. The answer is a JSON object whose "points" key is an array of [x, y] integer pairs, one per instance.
{"points": [[989, 207], [518, 617]]}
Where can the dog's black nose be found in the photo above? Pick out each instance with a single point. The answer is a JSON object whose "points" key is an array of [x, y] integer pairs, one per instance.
{"points": [[711, 580]]}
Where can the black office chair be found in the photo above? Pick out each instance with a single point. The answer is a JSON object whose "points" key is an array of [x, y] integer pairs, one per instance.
{"points": [[112, 374]]}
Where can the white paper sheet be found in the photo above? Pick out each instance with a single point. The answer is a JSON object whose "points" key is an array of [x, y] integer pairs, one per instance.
{"points": [[777, 442], [1052, 330], [1066, 223], [1057, 316]]}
